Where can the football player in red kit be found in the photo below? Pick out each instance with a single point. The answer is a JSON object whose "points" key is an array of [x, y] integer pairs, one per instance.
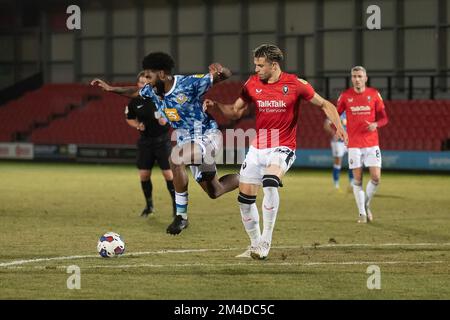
{"points": [[277, 96], [366, 113]]}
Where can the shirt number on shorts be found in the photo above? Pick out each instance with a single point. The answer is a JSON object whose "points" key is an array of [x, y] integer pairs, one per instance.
{"points": [[288, 152]]}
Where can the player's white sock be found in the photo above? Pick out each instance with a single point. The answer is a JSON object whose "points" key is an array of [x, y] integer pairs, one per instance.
{"points": [[181, 200], [250, 217], [270, 205], [359, 197], [370, 191]]}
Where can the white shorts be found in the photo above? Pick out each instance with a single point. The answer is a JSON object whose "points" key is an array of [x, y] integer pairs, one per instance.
{"points": [[210, 144], [338, 149], [369, 157], [257, 160]]}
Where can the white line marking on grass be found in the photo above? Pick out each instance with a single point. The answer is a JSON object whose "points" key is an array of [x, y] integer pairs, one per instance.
{"points": [[20, 262], [343, 245], [239, 264]]}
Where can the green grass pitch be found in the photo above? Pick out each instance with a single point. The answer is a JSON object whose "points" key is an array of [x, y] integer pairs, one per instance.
{"points": [[53, 214]]}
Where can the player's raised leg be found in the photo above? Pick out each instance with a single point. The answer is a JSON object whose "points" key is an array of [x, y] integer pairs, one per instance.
{"points": [[215, 187], [205, 151]]}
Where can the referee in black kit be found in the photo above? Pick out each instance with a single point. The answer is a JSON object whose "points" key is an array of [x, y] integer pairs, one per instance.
{"points": [[154, 144]]}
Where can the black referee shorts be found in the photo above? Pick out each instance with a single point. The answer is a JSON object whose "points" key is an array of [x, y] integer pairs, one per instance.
{"points": [[150, 150]]}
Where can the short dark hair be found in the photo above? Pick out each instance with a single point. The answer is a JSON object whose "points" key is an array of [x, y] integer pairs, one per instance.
{"points": [[269, 51], [158, 61]]}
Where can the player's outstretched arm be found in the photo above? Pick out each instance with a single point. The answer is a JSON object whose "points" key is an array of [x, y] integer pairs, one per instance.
{"points": [[131, 92], [231, 111], [219, 72], [330, 111]]}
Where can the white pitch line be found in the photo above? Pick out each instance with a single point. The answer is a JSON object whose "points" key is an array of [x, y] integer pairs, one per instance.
{"points": [[342, 245], [20, 262], [348, 245], [238, 264]]}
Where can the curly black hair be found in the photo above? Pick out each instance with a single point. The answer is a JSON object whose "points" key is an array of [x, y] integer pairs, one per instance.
{"points": [[158, 61]]}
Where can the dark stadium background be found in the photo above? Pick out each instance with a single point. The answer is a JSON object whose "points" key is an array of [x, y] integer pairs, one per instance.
{"points": [[63, 142], [45, 68]]}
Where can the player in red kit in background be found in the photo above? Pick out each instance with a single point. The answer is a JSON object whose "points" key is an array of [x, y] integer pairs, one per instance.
{"points": [[366, 113], [277, 96]]}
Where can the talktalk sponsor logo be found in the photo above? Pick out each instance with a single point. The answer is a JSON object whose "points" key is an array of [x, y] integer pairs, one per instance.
{"points": [[272, 104], [360, 108]]}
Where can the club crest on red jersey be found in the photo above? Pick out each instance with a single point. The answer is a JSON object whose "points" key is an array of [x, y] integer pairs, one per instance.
{"points": [[285, 89]]}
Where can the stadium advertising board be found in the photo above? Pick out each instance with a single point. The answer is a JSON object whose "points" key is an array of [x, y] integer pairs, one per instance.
{"points": [[16, 151], [52, 151], [403, 160]]}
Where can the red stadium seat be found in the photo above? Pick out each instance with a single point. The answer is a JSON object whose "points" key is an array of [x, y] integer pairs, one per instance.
{"points": [[413, 124]]}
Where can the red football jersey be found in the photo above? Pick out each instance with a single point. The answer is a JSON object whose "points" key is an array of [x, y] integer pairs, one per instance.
{"points": [[276, 108], [359, 108]]}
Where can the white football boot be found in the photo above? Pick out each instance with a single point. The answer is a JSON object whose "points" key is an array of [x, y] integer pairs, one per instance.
{"points": [[246, 253], [261, 251], [362, 218]]}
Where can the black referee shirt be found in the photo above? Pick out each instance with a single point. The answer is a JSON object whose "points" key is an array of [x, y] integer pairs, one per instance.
{"points": [[144, 111]]}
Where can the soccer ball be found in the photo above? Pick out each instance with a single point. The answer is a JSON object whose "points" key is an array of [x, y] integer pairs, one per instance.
{"points": [[110, 245]]}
